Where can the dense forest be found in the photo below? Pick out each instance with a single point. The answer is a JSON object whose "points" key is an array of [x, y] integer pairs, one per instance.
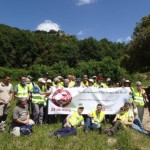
{"points": [[36, 52]]}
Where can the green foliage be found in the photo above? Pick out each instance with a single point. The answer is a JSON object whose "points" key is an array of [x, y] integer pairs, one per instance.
{"points": [[21, 48], [139, 48], [13, 73]]}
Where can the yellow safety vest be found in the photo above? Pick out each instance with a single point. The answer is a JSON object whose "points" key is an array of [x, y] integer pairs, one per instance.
{"points": [[99, 116], [122, 117], [96, 84], [86, 84], [71, 84], [30, 85], [76, 119], [138, 97], [129, 114], [104, 85], [23, 91], [38, 98]]}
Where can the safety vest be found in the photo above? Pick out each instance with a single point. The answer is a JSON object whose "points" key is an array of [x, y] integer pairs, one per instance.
{"points": [[59, 85], [23, 91], [71, 84], [86, 84], [122, 117], [38, 98], [104, 85], [31, 86], [138, 97], [100, 116], [129, 113], [96, 84], [76, 119]]}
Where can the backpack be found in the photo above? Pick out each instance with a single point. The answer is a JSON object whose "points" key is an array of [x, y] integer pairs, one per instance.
{"points": [[25, 129]]}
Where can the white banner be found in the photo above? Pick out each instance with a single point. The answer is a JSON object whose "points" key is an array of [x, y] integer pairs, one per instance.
{"points": [[66, 100]]}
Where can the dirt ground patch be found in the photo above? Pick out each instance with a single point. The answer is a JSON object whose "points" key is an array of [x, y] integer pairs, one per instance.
{"points": [[146, 119]]}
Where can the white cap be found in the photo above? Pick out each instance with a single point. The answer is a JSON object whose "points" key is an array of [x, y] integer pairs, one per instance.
{"points": [[41, 80], [80, 105], [49, 81], [127, 81], [108, 79], [94, 77], [56, 79], [66, 80], [91, 80], [138, 83], [60, 77]]}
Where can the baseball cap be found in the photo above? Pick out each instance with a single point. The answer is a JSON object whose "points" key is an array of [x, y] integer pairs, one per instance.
{"points": [[56, 79], [138, 83], [127, 81], [41, 80], [91, 80], [49, 81], [80, 105], [108, 79], [94, 77]]}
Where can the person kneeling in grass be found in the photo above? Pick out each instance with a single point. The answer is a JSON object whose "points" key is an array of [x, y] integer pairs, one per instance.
{"points": [[134, 123], [71, 123], [21, 122], [94, 119], [119, 122]]}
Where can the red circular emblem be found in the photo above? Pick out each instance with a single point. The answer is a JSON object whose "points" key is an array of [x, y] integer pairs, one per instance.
{"points": [[61, 98]]}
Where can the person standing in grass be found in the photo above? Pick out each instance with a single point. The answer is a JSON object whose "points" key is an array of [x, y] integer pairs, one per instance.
{"points": [[6, 94], [39, 94], [139, 99], [71, 123], [22, 90], [95, 119]]}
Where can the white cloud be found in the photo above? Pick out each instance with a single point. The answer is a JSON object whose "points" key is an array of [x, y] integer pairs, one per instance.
{"points": [[84, 2], [120, 40], [126, 40], [80, 33], [48, 25]]}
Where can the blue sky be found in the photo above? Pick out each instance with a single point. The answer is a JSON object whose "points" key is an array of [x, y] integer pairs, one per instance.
{"points": [[111, 19]]}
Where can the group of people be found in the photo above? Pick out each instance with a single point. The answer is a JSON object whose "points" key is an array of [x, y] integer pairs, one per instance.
{"points": [[31, 102], [95, 120]]}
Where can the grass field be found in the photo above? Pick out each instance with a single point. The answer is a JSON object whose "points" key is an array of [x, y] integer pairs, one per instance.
{"points": [[39, 140]]}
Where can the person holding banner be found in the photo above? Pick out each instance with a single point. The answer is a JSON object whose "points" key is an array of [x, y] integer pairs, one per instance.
{"points": [[94, 119], [70, 124]]}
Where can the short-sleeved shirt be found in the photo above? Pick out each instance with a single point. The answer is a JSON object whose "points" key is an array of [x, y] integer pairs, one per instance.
{"points": [[5, 91], [19, 113]]}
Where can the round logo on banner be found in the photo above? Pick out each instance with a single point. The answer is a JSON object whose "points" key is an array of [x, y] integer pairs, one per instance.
{"points": [[61, 98]]}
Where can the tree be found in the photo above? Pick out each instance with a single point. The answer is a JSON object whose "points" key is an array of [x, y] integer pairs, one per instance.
{"points": [[139, 48]]}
